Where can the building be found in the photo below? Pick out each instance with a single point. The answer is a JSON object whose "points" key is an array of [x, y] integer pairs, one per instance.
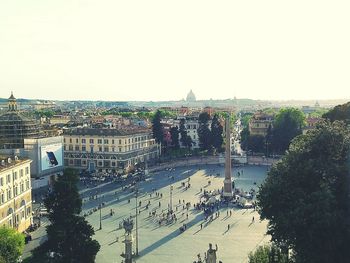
{"points": [[15, 193], [260, 123], [46, 154], [14, 127], [310, 124], [190, 97], [108, 150]]}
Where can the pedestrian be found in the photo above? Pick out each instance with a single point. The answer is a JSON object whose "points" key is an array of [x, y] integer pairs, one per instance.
{"points": [[159, 204], [228, 227], [201, 225], [253, 219]]}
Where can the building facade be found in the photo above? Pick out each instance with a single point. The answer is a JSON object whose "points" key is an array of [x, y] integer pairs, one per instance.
{"points": [[15, 193], [108, 150], [260, 123]]}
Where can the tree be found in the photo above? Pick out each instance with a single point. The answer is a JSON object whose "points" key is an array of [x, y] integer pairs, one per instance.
{"points": [[306, 196], [157, 127], [216, 133], [11, 244], [69, 234], [267, 254], [204, 133], [174, 131], [340, 113], [287, 125]]}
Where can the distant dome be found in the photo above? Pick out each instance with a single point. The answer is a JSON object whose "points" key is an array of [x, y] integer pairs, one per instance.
{"points": [[191, 96]]}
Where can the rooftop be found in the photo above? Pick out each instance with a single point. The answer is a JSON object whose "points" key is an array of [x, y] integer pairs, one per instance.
{"points": [[7, 162], [106, 131]]}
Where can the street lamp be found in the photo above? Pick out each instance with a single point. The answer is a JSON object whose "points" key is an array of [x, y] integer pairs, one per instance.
{"points": [[171, 198], [136, 217], [100, 211]]}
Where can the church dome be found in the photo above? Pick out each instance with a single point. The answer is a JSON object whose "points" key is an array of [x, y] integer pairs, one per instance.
{"points": [[14, 127], [191, 96]]}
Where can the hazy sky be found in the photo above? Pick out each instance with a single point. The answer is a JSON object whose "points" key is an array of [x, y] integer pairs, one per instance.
{"points": [[159, 50]]}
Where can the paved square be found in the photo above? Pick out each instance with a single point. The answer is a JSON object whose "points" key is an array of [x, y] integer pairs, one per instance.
{"points": [[165, 243]]}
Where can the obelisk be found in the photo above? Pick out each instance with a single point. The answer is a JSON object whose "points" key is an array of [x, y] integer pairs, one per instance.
{"points": [[228, 178]]}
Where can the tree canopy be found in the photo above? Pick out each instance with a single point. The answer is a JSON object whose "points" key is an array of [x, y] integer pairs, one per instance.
{"points": [[204, 133], [174, 131], [288, 124], [11, 244], [69, 234], [306, 196], [216, 133], [157, 127], [267, 254], [340, 113]]}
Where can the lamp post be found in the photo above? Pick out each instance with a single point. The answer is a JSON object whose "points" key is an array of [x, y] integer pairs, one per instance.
{"points": [[171, 198], [100, 211], [136, 217]]}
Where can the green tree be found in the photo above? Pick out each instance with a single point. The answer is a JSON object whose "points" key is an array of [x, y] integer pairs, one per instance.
{"points": [[340, 113], [204, 133], [267, 254], [216, 133], [69, 234], [11, 244], [157, 128], [174, 131], [287, 125], [306, 196]]}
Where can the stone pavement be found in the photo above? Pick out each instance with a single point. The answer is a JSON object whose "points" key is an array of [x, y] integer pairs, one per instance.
{"points": [[165, 243]]}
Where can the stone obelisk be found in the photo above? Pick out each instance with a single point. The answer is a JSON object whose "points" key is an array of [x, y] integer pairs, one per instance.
{"points": [[228, 177]]}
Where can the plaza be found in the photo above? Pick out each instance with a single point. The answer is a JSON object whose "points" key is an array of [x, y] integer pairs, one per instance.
{"points": [[234, 230]]}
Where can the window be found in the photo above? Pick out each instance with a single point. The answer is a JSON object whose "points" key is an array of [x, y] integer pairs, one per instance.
{"points": [[91, 149], [2, 198], [71, 147], [112, 141], [83, 141], [113, 149], [77, 148], [65, 148], [14, 176], [120, 141], [22, 187], [106, 149], [91, 140], [100, 148], [70, 140], [21, 173], [99, 141], [64, 139], [8, 179], [27, 184], [105, 141], [9, 196], [120, 149], [76, 140], [83, 148], [27, 170], [1, 181]]}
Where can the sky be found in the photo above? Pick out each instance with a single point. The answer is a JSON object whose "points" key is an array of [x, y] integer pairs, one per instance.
{"points": [[158, 49]]}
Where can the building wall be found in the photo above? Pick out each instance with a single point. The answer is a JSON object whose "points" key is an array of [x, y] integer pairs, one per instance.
{"points": [[108, 153], [15, 195]]}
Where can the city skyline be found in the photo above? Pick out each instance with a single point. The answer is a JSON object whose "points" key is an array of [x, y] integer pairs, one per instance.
{"points": [[158, 51]]}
